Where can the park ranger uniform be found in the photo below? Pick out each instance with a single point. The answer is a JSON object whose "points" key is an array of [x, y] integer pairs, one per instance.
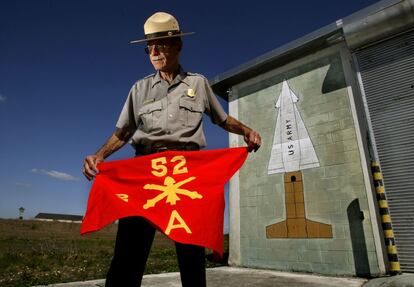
{"points": [[169, 116], [164, 117]]}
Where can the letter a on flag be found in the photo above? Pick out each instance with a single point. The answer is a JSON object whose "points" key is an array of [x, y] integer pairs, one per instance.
{"points": [[180, 192]]}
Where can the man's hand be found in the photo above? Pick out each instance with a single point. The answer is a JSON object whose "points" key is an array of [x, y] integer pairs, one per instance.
{"points": [[253, 140], [117, 140], [90, 166], [251, 137]]}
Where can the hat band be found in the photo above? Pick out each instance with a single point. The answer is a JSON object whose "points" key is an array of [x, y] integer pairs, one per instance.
{"points": [[162, 34]]}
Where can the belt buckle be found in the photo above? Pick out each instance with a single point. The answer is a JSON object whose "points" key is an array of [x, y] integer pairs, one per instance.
{"points": [[161, 149]]}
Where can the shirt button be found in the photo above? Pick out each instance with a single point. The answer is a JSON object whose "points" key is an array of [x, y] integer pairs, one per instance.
{"points": [[170, 115]]}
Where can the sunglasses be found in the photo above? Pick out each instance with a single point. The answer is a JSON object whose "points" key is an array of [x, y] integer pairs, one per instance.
{"points": [[160, 48]]}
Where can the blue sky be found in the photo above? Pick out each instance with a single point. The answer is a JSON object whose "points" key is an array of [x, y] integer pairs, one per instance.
{"points": [[66, 68]]}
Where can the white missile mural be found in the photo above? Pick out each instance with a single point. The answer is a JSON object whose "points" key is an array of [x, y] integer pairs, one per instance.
{"points": [[293, 151], [292, 148]]}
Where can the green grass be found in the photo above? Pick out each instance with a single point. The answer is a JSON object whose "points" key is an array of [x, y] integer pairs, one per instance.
{"points": [[38, 253]]}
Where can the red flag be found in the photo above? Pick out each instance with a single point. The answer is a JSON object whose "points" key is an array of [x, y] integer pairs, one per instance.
{"points": [[179, 192]]}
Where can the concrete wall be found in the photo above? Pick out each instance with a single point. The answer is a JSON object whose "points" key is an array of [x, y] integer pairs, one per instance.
{"points": [[334, 193]]}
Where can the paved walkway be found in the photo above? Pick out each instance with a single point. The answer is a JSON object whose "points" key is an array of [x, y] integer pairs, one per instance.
{"points": [[246, 277], [238, 277]]}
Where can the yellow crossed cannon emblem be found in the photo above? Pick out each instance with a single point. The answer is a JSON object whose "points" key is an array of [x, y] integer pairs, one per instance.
{"points": [[170, 190]]}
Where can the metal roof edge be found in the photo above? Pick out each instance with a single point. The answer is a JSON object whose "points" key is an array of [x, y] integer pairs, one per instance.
{"points": [[377, 22]]}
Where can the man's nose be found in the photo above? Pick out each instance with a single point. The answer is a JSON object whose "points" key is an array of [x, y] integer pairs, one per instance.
{"points": [[154, 50]]}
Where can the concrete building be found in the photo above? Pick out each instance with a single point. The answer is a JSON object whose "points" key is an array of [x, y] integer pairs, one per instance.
{"points": [[331, 107]]}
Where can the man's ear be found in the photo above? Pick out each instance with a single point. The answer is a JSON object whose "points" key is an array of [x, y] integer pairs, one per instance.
{"points": [[179, 46], [179, 43]]}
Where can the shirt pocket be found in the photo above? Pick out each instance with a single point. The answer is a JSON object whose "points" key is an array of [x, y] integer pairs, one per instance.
{"points": [[150, 116], [191, 112]]}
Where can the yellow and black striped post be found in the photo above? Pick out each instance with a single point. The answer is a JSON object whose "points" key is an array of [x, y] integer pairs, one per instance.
{"points": [[385, 219]]}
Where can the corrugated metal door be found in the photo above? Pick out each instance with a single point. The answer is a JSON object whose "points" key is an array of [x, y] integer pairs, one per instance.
{"points": [[387, 72]]}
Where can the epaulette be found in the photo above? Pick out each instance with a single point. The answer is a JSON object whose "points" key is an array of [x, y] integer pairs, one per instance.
{"points": [[194, 74], [149, 76], [197, 75], [146, 78]]}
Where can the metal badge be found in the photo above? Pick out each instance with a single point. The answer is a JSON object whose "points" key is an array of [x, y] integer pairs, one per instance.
{"points": [[191, 93]]}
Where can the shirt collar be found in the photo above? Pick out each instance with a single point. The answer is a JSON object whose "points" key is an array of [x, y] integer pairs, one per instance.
{"points": [[181, 77]]}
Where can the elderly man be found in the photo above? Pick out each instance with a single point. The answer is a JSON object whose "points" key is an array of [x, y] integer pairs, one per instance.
{"points": [[163, 111]]}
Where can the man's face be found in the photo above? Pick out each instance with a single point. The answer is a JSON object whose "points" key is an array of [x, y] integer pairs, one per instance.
{"points": [[164, 54]]}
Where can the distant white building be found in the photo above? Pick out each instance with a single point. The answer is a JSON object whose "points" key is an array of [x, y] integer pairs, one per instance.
{"points": [[59, 217]]}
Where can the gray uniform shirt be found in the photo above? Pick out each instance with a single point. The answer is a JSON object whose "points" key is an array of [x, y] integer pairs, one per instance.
{"points": [[159, 112]]}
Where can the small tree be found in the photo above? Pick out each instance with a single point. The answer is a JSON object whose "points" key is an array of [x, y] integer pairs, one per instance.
{"points": [[21, 211]]}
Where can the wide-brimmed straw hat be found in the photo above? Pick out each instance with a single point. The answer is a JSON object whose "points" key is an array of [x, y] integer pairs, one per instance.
{"points": [[161, 25]]}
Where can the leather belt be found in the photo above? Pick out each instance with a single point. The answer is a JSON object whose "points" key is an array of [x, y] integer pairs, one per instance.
{"points": [[160, 147]]}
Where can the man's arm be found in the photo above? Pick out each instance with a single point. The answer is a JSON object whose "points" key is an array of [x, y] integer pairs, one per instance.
{"points": [[251, 137], [117, 140]]}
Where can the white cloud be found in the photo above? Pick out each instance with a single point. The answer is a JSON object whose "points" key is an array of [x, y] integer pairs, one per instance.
{"points": [[55, 174], [2, 98]]}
